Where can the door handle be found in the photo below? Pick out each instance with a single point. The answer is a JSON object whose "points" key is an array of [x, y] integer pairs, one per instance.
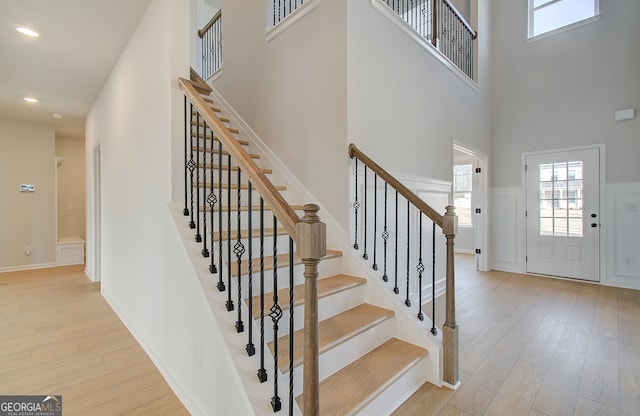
{"points": [[593, 215], [594, 225]]}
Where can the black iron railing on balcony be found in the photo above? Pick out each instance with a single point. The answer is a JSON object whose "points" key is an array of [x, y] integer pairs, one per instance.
{"points": [[440, 23], [280, 9], [221, 184], [211, 45], [410, 251]]}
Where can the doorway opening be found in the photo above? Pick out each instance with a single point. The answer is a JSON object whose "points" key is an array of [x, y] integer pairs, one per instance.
{"points": [[469, 199]]}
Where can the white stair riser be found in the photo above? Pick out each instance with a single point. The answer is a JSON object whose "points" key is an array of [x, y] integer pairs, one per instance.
{"points": [[327, 307], [395, 394], [342, 355]]}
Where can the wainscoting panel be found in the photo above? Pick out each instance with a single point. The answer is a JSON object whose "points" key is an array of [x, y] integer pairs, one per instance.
{"points": [[507, 229], [623, 229]]}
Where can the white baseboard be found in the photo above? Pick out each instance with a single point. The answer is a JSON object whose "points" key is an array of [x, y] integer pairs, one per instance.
{"points": [[27, 267]]}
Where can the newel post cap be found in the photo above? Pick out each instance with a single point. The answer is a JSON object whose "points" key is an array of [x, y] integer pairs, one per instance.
{"points": [[312, 234], [450, 221]]}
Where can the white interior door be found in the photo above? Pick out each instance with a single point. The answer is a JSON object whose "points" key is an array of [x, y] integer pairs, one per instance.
{"points": [[563, 215]]}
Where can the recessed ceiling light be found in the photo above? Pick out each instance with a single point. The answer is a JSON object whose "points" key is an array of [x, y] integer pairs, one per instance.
{"points": [[31, 100], [57, 116], [27, 31]]}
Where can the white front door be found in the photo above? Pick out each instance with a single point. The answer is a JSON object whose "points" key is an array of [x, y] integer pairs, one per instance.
{"points": [[563, 215]]}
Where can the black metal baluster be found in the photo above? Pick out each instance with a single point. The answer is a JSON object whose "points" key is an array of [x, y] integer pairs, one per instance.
{"points": [[364, 220], [434, 331], [407, 301], [212, 199], [420, 269], [375, 221], [221, 286], [251, 349], [187, 128], [275, 313], [291, 324], [238, 250], [356, 205], [205, 196], [262, 372], [198, 237], [191, 165], [229, 301], [385, 235], [396, 290]]}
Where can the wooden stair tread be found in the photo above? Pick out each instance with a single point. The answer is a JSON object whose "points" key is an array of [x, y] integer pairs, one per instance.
{"points": [[243, 186], [326, 287], [332, 332], [216, 151], [255, 233], [234, 208], [215, 138], [283, 262], [349, 390], [201, 124], [234, 168], [223, 119]]}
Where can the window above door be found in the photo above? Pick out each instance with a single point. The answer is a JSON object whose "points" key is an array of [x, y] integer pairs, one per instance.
{"points": [[551, 16]]}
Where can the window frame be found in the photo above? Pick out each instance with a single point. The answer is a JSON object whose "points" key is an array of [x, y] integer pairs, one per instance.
{"points": [[531, 9]]}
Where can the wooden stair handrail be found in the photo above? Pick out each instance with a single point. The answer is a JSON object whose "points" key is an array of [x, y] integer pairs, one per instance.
{"points": [[281, 209], [396, 184], [206, 27]]}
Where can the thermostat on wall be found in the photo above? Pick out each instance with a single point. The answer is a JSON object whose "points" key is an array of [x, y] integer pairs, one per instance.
{"points": [[27, 187]]}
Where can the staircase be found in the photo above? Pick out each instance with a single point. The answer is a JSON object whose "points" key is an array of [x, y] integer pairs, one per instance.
{"points": [[365, 366]]}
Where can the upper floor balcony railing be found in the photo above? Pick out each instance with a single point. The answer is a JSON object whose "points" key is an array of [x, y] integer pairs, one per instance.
{"points": [[441, 24]]}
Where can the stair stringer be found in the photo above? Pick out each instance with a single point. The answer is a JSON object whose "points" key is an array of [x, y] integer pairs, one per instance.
{"points": [[408, 327]]}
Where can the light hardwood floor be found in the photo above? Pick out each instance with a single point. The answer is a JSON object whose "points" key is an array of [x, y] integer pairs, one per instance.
{"points": [[59, 337], [539, 346]]}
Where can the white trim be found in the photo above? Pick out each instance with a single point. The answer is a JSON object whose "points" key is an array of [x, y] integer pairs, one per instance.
{"points": [[409, 31], [215, 75], [273, 31], [27, 267]]}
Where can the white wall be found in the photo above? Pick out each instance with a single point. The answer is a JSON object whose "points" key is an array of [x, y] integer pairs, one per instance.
{"points": [[563, 90], [292, 92], [27, 156], [405, 107], [146, 275], [71, 187], [558, 92]]}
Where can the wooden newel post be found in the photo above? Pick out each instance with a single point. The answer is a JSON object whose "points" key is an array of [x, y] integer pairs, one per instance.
{"points": [[450, 329], [311, 246]]}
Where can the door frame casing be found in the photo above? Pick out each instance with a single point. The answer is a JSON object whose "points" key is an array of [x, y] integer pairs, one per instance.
{"points": [[481, 233], [602, 202]]}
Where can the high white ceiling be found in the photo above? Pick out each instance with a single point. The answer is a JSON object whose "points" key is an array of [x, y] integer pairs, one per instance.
{"points": [[67, 66]]}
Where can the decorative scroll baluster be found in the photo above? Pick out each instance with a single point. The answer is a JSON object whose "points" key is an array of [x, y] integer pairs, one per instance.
{"points": [[396, 290], [212, 199], [385, 236], [275, 313], [375, 221], [262, 372], [356, 205], [420, 269], [251, 349], [191, 165], [407, 301], [434, 330], [205, 196], [238, 250], [197, 184], [229, 303], [187, 129], [221, 287], [291, 322], [364, 220]]}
